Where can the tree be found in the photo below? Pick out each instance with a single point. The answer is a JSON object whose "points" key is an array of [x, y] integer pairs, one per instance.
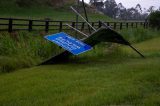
{"points": [[110, 8], [98, 4], [139, 8], [151, 9], [94, 1], [131, 13], [154, 19], [121, 12], [113, 10], [138, 13]]}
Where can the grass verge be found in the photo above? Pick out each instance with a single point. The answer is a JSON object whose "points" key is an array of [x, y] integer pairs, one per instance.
{"points": [[107, 80], [23, 49]]}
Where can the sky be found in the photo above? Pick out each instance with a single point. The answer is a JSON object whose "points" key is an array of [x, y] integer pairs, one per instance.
{"points": [[133, 3]]}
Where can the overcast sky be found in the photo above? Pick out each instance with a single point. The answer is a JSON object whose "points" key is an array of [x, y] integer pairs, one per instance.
{"points": [[133, 3]]}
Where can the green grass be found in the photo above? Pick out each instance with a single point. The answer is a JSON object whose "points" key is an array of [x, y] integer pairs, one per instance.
{"points": [[42, 11], [107, 75], [150, 48], [140, 34], [107, 80], [24, 49]]}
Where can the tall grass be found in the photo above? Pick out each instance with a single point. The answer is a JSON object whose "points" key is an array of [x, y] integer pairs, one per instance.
{"points": [[139, 34], [22, 49]]}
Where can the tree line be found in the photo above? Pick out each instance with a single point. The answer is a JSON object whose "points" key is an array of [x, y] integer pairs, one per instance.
{"points": [[118, 11]]}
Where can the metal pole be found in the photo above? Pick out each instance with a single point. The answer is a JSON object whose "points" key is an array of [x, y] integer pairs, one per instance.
{"points": [[82, 18], [86, 15], [137, 51], [77, 30], [77, 3], [105, 24]]}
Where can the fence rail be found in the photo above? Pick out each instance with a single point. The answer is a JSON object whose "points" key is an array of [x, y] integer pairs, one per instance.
{"points": [[13, 24]]}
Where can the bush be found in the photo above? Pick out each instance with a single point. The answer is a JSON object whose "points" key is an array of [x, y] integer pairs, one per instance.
{"points": [[154, 19]]}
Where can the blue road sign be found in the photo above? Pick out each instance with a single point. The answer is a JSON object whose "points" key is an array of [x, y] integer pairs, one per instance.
{"points": [[68, 43]]}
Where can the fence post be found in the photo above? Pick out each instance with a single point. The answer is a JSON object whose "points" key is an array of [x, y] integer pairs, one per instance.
{"points": [[100, 24], [136, 24], [10, 27], [141, 23], [115, 24], [46, 26], [82, 28], [144, 25], [73, 24], [121, 26], [60, 26], [108, 23], [147, 24], [30, 25], [132, 24], [127, 25], [92, 24]]}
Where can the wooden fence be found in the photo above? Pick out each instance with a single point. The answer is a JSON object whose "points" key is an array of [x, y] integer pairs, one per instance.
{"points": [[13, 24]]}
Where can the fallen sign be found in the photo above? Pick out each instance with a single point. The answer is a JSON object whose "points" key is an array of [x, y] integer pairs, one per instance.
{"points": [[69, 43], [102, 34]]}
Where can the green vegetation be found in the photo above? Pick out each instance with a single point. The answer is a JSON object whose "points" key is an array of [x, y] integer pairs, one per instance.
{"points": [[139, 34], [113, 79], [24, 49], [10, 8], [154, 19], [108, 75]]}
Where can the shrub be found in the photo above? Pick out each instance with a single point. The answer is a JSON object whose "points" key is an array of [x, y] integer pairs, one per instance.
{"points": [[154, 19]]}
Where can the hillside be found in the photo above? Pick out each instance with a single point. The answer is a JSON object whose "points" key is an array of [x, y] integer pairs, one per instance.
{"points": [[39, 3], [41, 9]]}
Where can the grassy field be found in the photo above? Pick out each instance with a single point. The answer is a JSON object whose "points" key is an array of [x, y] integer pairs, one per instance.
{"points": [[42, 11], [53, 14], [118, 78], [107, 75]]}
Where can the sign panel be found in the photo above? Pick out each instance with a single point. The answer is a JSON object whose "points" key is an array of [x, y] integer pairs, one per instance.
{"points": [[68, 43]]}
